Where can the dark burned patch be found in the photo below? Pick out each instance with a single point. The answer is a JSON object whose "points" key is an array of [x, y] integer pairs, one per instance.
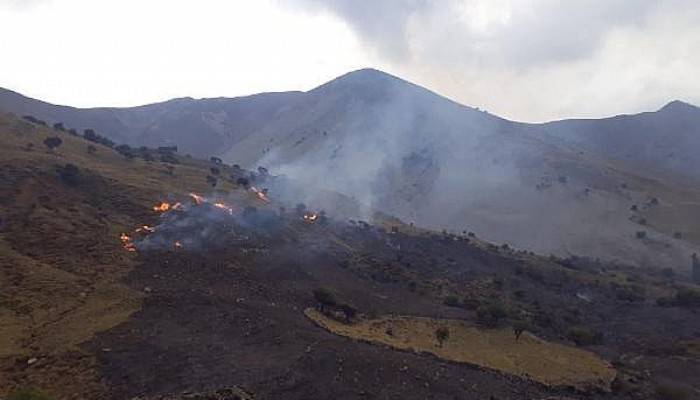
{"points": [[229, 310], [234, 314]]}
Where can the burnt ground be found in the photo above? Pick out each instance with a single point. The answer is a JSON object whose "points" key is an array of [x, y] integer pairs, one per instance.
{"points": [[228, 310]]}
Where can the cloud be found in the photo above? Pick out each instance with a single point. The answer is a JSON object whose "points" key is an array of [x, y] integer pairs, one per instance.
{"points": [[20, 5], [535, 60]]}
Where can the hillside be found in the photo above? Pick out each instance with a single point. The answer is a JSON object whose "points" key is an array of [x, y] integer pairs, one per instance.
{"points": [[210, 294], [582, 187]]}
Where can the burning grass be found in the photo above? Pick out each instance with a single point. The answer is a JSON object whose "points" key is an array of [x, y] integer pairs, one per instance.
{"points": [[529, 357]]}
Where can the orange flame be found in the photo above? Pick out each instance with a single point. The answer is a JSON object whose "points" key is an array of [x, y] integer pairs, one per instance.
{"points": [[197, 198], [126, 242], [162, 207], [261, 195], [145, 228], [224, 207]]}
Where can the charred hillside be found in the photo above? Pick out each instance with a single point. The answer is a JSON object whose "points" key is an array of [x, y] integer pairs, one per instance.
{"points": [[135, 277]]}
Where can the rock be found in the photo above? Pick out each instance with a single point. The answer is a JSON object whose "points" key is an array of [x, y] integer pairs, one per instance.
{"points": [[32, 360]]}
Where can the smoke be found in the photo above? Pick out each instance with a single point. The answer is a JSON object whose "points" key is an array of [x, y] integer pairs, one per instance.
{"points": [[386, 145]]}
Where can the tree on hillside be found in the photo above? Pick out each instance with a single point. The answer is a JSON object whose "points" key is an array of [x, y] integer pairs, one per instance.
{"points": [[442, 334], [58, 126], [52, 142], [124, 150], [324, 297], [242, 182]]}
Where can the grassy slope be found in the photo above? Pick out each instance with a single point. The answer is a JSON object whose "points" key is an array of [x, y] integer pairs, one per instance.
{"points": [[61, 262], [530, 357]]}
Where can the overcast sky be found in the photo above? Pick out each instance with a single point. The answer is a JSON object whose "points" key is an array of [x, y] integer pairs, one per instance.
{"points": [[529, 60]]}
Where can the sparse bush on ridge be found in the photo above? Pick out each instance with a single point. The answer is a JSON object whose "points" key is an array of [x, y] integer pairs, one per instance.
{"points": [[52, 142], [584, 336], [442, 334]]}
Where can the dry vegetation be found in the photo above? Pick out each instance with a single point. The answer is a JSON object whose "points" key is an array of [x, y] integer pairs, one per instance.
{"points": [[528, 357], [61, 263]]}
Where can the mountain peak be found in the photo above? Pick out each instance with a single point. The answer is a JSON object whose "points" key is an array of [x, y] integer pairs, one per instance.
{"points": [[678, 106]]}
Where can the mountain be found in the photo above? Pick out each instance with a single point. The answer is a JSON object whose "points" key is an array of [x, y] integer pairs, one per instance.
{"points": [[200, 127], [119, 282], [620, 188]]}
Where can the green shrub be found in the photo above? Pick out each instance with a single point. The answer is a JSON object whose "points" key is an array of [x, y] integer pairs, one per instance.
{"points": [[584, 337], [451, 301], [491, 314], [324, 297]]}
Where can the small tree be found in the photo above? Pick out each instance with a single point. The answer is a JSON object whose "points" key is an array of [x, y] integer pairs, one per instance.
{"points": [[52, 142], [451, 301], [324, 297], [124, 150], [349, 311], [518, 328], [441, 334], [242, 182], [211, 180], [70, 174]]}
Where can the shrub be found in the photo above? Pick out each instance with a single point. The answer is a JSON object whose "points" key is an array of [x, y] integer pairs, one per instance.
{"points": [[52, 142], [349, 311], [169, 158], [73, 132], [324, 296], [124, 150], [58, 126], [584, 337], [451, 301], [442, 334], [491, 314], [91, 149], [242, 182], [216, 160], [215, 171], [641, 234], [70, 174], [211, 180]]}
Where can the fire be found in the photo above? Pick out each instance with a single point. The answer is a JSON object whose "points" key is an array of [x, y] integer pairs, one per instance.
{"points": [[224, 207], [177, 244], [260, 193], [197, 198], [310, 217], [126, 242], [145, 228], [161, 207]]}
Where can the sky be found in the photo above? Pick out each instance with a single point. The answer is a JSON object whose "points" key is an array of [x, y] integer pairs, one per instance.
{"points": [[527, 60]]}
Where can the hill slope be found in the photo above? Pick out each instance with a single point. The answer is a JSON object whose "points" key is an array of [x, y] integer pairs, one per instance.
{"points": [[565, 187], [215, 294]]}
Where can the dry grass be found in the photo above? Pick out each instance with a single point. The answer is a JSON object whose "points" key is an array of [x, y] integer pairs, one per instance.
{"points": [[61, 263], [530, 357]]}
